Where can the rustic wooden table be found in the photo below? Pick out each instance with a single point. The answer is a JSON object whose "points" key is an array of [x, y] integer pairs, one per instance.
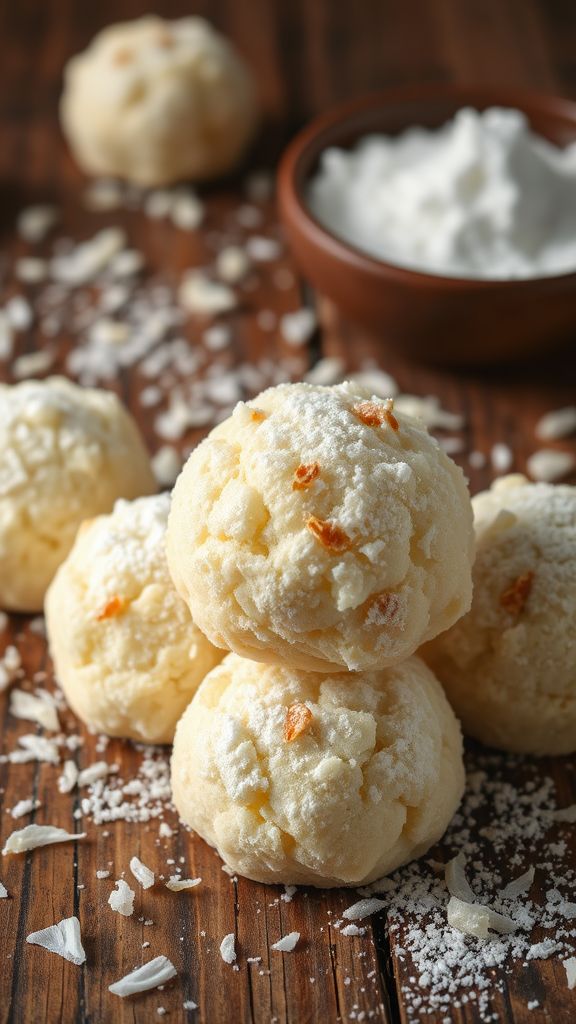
{"points": [[306, 57]]}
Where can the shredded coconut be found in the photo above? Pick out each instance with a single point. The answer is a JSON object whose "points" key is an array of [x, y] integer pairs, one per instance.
{"points": [[297, 328], [24, 807], [228, 949], [570, 968], [156, 972], [34, 709], [556, 424], [363, 908], [287, 943], [62, 938], [69, 777], [38, 835], [176, 884], [121, 899], [141, 873], [549, 465]]}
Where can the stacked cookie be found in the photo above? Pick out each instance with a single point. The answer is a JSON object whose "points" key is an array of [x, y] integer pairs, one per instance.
{"points": [[322, 539]]}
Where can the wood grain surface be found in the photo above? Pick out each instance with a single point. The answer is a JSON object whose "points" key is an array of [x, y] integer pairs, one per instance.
{"points": [[306, 56]]}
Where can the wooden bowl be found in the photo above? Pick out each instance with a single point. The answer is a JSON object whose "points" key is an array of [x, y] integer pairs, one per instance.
{"points": [[431, 317]]}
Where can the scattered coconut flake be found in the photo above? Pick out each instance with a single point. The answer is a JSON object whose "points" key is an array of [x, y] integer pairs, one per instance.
{"points": [[199, 295], [107, 331], [289, 893], [24, 807], [501, 458], [452, 445], [478, 920], [570, 968], [165, 830], [121, 899], [176, 884], [69, 777], [217, 337], [477, 460], [297, 328], [34, 709], [99, 770], [34, 748], [166, 465], [32, 363], [352, 929], [32, 836], [519, 886], [429, 411], [62, 938], [263, 250], [102, 873], [151, 975], [31, 270], [327, 371], [565, 814], [19, 313], [186, 210], [189, 1004], [3, 892], [158, 204], [548, 465], [381, 384], [35, 222], [556, 424], [456, 881], [287, 943], [232, 264], [363, 908], [6, 337], [10, 664], [228, 948], [141, 873], [86, 260]]}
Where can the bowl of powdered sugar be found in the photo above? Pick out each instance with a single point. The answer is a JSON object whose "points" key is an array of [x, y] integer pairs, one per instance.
{"points": [[443, 218]]}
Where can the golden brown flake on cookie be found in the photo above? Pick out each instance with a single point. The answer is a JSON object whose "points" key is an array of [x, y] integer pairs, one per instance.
{"points": [[298, 720], [305, 475], [257, 415], [373, 414], [115, 606], [514, 597], [329, 535]]}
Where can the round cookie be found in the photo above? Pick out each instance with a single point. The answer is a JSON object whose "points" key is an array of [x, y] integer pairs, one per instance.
{"points": [[156, 101], [314, 528], [66, 453], [509, 666], [126, 652], [306, 779]]}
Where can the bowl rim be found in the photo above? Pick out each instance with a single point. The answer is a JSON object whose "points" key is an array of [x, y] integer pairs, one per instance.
{"points": [[307, 145]]}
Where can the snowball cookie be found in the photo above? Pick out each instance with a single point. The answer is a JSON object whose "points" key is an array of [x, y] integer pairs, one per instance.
{"points": [[156, 101], [307, 779], [66, 453], [126, 652], [314, 528], [509, 666]]}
